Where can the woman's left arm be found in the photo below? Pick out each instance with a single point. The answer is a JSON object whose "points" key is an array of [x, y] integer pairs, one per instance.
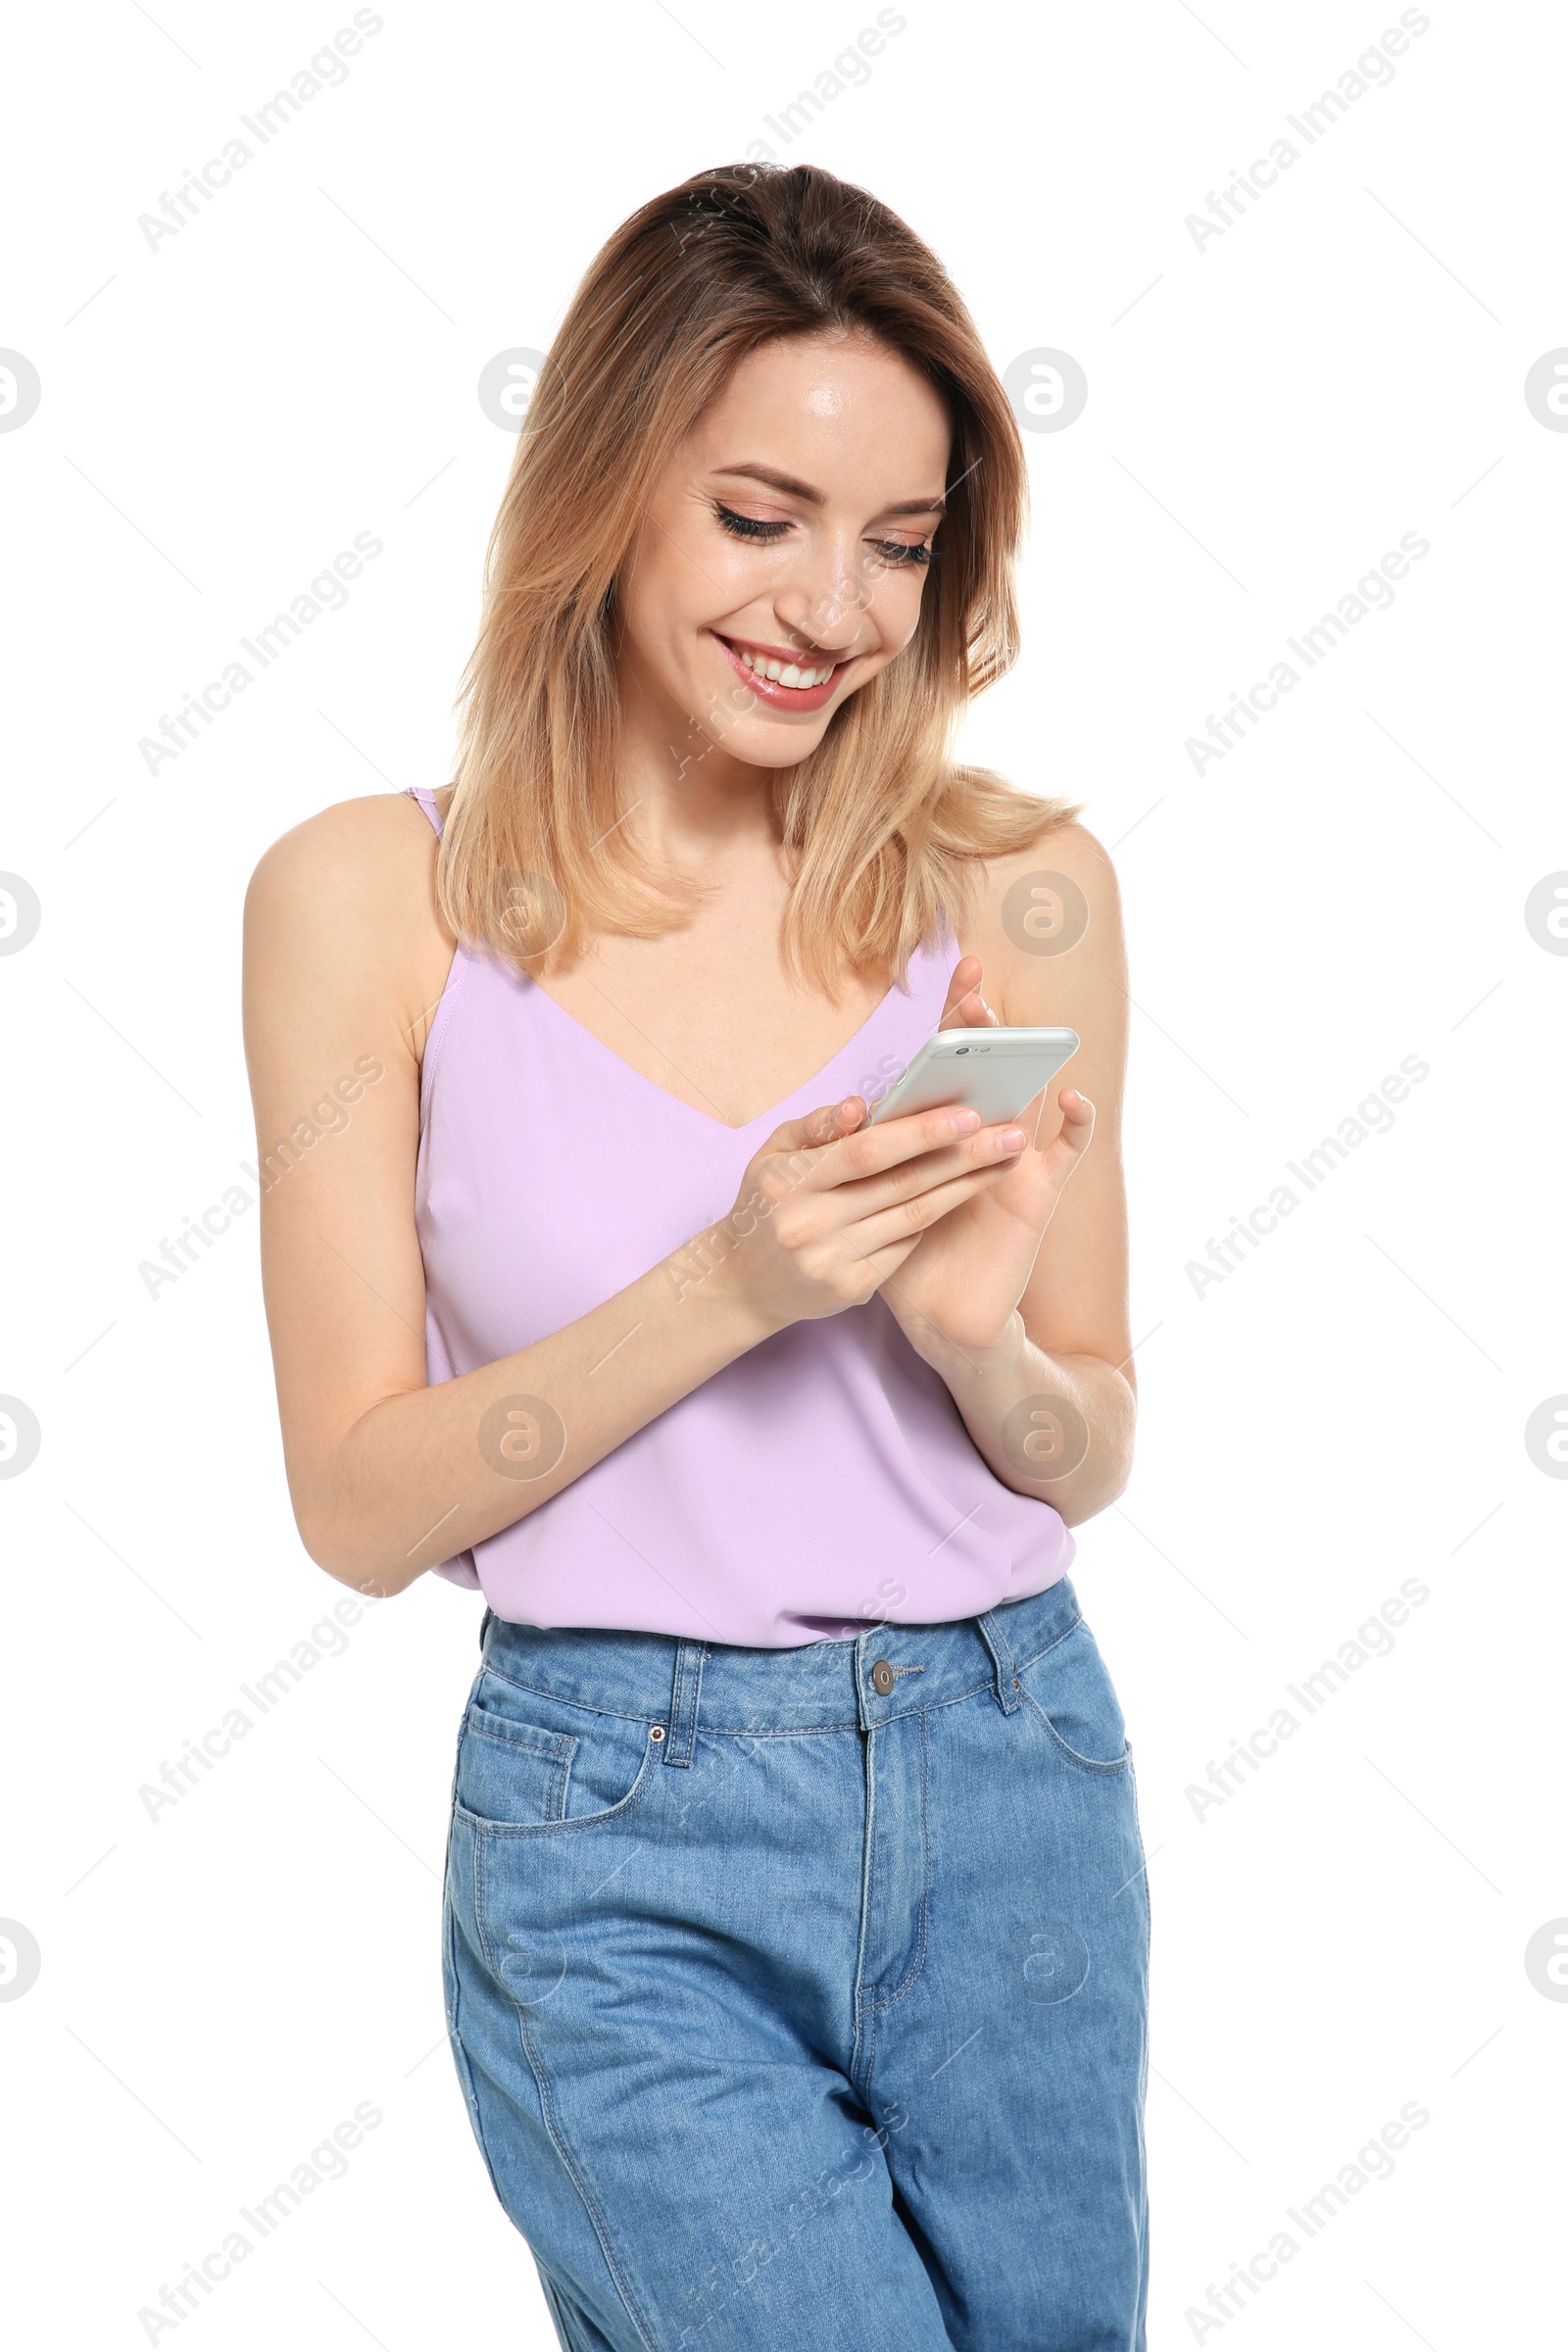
{"points": [[1019, 1298]]}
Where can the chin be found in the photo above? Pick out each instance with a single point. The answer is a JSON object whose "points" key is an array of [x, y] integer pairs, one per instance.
{"points": [[773, 746]]}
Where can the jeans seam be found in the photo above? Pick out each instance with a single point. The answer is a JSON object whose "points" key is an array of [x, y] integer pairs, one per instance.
{"points": [[555, 2305], [459, 2055], [578, 2177], [733, 1731], [862, 2054], [1143, 2075], [801, 1731], [887, 2001], [562, 1748], [583, 1706], [1095, 1766], [1047, 1646], [547, 2108]]}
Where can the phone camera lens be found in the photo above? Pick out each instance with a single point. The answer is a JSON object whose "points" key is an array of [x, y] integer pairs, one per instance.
{"points": [[962, 1049]]}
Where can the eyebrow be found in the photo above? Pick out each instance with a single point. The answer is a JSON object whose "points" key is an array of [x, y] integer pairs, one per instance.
{"points": [[796, 489]]}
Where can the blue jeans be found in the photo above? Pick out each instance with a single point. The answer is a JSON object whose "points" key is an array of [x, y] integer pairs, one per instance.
{"points": [[799, 1997]]}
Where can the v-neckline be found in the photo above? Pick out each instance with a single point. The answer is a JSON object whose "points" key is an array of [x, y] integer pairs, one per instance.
{"points": [[426, 799], [706, 1116]]}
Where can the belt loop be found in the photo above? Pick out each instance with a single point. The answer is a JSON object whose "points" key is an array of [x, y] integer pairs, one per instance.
{"points": [[689, 1656], [484, 1626], [996, 1640]]}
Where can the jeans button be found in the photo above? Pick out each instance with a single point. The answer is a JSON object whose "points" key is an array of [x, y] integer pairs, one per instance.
{"points": [[882, 1678]]}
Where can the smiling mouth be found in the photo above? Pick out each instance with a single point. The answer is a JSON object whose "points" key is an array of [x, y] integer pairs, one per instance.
{"points": [[778, 675]]}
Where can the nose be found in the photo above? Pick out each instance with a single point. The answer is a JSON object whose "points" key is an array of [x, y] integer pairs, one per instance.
{"points": [[827, 605]]}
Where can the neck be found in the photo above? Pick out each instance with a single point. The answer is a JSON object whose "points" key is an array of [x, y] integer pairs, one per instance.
{"points": [[693, 801]]}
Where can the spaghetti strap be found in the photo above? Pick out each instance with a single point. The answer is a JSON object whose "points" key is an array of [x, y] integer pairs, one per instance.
{"points": [[426, 801]]}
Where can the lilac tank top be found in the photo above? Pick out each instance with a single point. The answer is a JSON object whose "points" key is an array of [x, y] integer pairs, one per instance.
{"points": [[822, 1481]]}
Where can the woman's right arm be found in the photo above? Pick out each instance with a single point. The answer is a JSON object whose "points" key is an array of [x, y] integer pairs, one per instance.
{"points": [[345, 958]]}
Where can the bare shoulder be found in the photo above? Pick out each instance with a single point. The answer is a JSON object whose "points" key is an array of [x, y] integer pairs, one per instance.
{"points": [[361, 855], [1047, 925], [343, 908], [1064, 848]]}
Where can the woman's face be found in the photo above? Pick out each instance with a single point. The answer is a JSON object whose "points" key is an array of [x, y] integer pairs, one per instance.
{"points": [[790, 533]]}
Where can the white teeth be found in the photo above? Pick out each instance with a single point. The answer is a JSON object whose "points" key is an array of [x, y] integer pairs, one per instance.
{"points": [[785, 673]]}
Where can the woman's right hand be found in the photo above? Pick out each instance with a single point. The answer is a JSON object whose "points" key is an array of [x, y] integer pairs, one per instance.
{"points": [[830, 1207]]}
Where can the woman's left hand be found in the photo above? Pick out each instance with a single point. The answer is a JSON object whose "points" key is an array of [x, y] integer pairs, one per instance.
{"points": [[960, 1286]]}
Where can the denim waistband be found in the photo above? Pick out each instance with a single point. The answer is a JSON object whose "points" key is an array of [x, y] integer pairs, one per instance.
{"points": [[886, 1671]]}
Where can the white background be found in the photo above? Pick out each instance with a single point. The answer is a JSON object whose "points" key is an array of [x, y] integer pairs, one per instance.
{"points": [[1267, 415]]}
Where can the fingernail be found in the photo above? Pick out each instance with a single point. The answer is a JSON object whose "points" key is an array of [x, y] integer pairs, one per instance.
{"points": [[965, 1121], [1012, 1138]]}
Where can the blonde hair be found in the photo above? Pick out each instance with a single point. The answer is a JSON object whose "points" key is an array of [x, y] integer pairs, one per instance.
{"points": [[880, 828]]}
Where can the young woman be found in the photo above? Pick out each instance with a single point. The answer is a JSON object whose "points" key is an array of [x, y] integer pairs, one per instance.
{"points": [[797, 1934]]}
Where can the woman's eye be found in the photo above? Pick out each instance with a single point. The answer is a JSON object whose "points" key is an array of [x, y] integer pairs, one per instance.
{"points": [[897, 553], [746, 526]]}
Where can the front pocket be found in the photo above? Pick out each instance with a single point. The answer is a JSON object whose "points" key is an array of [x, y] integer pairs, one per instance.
{"points": [[530, 1762], [510, 1770], [1069, 1688]]}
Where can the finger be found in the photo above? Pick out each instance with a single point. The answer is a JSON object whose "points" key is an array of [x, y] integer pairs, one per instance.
{"points": [[1055, 1161], [965, 1006], [987, 1149], [964, 976], [970, 1013], [1077, 1120], [824, 1125], [908, 1219], [872, 1150], [1068, 1147]]}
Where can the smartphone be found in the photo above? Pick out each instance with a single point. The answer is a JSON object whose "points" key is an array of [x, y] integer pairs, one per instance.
{"points": [[995, 1071]]}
